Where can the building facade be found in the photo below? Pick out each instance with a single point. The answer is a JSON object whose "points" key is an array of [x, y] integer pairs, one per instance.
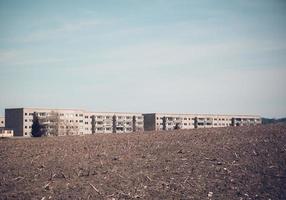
{"points": [[72, 122], [81, 122], [106, 122], [66, 121], [167, 121], [6, 132]]}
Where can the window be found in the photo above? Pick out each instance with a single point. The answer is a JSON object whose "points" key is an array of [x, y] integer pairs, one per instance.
{"points": [[76, 115], [26, 120], [26, 114], [26, 127], [26, 133], [81, 115]]}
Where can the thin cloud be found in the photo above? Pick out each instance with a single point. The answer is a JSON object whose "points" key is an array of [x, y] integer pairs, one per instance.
{"points": [[60, 31]]}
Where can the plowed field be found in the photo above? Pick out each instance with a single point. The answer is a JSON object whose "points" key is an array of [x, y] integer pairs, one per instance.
{"points": [[220, 163]]}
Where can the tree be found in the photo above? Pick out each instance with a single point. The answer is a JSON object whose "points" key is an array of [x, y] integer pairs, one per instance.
{"points": [[36, 127], [53, 124], [177, 126]]}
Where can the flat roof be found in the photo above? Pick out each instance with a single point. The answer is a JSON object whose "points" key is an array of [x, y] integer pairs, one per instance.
{"points": [[195, 114], [139, 113]]}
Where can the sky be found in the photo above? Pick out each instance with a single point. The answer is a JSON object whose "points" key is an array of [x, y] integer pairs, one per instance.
{"points": [[175, 56]]}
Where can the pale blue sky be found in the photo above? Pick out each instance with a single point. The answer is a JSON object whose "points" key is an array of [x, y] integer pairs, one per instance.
{"points": [[145, 56]]}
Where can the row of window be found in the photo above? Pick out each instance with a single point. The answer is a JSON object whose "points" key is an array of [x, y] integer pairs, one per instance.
{"points": [[103, 129], [208, 119], [81, 115], [58, 114]]}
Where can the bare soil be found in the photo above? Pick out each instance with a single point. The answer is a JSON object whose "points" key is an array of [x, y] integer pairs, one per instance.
{"points": [[219, 163]]}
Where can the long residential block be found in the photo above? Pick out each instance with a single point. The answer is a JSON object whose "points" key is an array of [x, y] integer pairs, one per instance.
{"points": [[167, 121], [81, 122], [72, 121]]}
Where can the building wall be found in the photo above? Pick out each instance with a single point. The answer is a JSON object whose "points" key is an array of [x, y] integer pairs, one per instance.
{"points": [[2, 122], [165, 121], [70, 121], [6, 132], [138, 122], [106, 122], [149, 122], [73, 122], [102, 122], [14, 119]]}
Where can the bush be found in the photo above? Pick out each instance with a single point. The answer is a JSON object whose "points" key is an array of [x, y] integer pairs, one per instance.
{"points": [[37, 129]]}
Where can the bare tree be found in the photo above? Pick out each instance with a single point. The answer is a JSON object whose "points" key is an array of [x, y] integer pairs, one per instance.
{"points": [[53, 125]]}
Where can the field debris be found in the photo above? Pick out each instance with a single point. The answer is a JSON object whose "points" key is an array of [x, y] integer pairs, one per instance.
{"points": [[220, 163]]}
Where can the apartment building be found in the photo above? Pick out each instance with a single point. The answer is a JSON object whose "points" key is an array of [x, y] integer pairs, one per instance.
{"points": [[2, 122], [79, 122], [4, 132], [72, 122], [167, 121], [105, 122], [67, 121]]}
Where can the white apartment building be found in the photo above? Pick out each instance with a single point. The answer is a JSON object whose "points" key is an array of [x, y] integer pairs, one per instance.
{"points": [[72, 122], [167, 121], [6, 132], [107, 122], [79, 122]]}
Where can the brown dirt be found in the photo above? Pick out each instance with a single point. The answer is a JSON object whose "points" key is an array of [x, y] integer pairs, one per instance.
{"points": [[221, 163]]}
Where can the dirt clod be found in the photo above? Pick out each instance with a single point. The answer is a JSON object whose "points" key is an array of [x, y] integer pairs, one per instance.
{"points": [[219, 163]]}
